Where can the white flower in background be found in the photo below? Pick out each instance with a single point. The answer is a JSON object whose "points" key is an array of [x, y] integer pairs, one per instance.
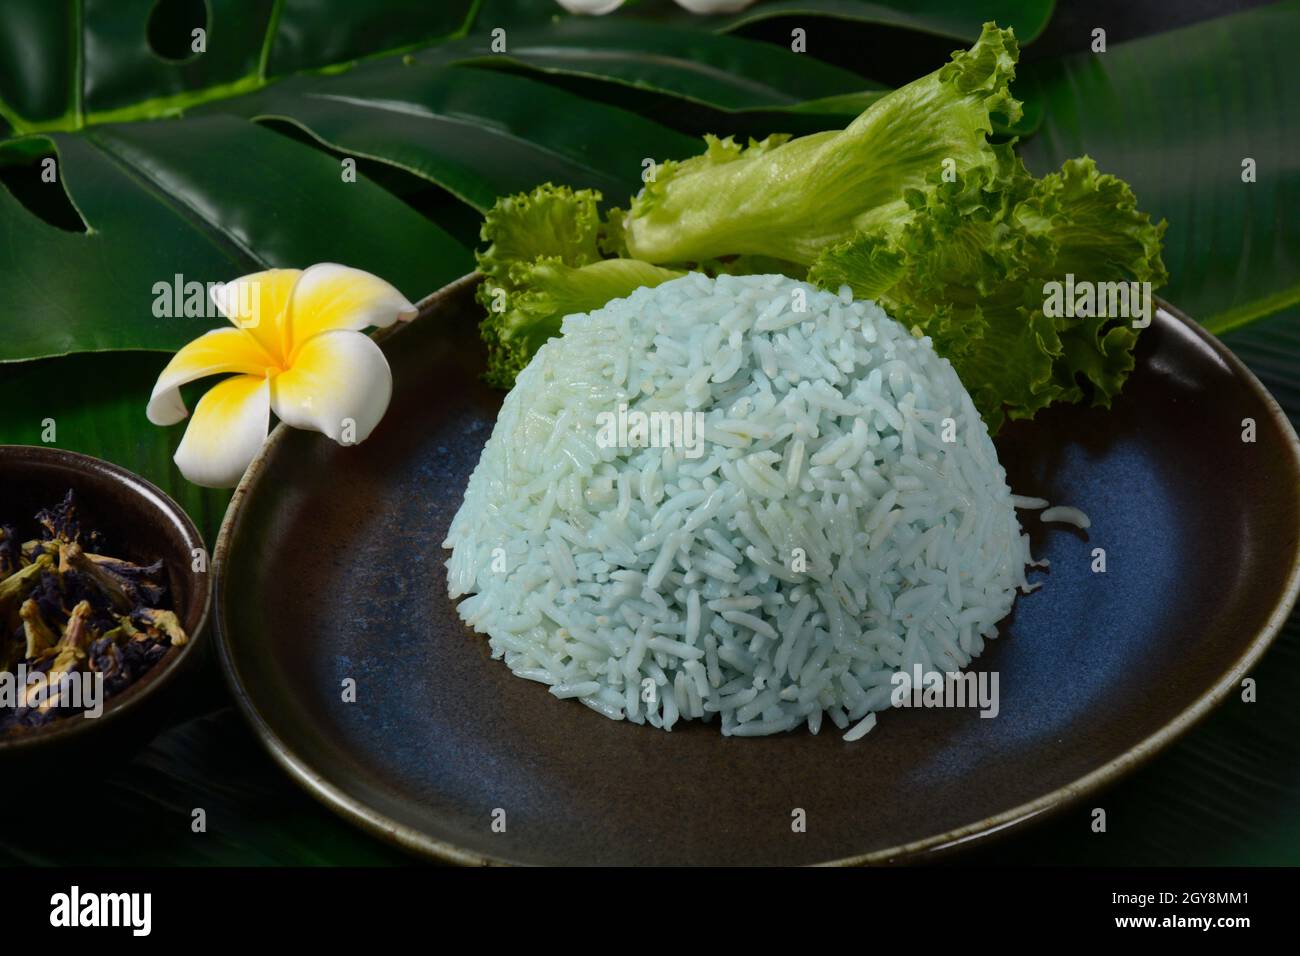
{"points": [[296, 349], [592, 7], [714, 6]]}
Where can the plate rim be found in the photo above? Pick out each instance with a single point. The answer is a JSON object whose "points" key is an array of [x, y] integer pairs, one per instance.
{"points": [[420, 843]]}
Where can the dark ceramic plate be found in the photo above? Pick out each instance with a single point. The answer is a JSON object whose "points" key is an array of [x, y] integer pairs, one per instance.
{"points": [[140, 523], [329, 567]]}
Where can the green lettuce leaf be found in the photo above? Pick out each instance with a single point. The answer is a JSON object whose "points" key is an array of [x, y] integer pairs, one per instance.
{"points": [[791, 199], [911, 205], [543, 262], [540, 294], [549, 222], [970, 265]]}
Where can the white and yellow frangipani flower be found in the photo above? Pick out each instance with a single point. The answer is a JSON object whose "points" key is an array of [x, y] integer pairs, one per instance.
{"points": [[297, 349]]}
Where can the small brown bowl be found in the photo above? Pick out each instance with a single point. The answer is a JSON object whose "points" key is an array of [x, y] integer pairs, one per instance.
{"points": [[141, 524]]}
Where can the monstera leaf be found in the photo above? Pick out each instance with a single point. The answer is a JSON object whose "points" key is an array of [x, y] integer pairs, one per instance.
{"points": [[136, 179], [136, 168], [65, 65]]}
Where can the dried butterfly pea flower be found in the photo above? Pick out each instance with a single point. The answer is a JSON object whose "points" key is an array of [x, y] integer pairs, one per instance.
{"points": [[107, 658], [60, 522], [161, 623], [66, 607], [36, 547], [11, 556], [127, 585], [36, 632], [144, 583], [77, 636], [117, 589], [14, 589]]}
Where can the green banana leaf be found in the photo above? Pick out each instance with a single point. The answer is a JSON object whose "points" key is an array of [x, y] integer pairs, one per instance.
{"points": [[1177, 115], [722, 72], [479, 134]]}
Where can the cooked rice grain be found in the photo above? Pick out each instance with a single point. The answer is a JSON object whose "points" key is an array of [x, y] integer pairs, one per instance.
{"points": [[825, 537]]}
